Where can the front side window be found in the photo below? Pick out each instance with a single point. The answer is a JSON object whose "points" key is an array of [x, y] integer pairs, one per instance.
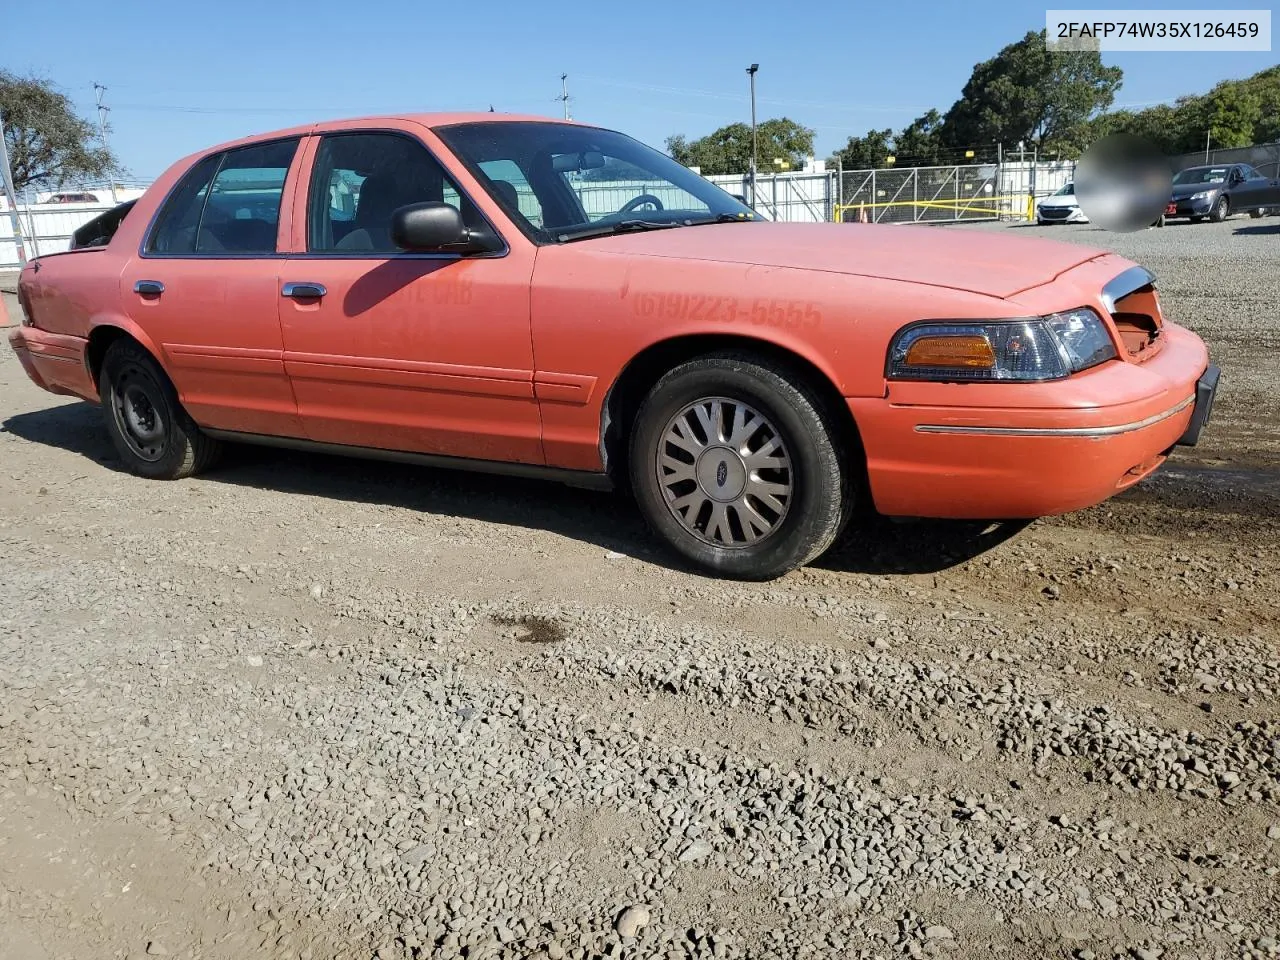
{"points": [[360, 179], [583, 181], [512, 191], [228, 203]]}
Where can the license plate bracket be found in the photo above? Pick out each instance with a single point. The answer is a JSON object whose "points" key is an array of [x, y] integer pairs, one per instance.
{"points": [[1206, 390]]}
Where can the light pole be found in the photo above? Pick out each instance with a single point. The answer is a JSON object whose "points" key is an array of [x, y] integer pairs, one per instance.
{"points": [[98, 91], [751, 72], [7, 191]]}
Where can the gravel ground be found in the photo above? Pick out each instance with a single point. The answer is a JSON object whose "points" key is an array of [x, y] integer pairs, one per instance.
{"points": [[308, 707]]}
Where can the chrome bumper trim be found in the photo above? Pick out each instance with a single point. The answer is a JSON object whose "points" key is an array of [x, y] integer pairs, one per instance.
{"points": [[1058, 431]]}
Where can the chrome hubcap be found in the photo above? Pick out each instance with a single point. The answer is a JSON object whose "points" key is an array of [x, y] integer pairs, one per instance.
{"points": [[725, 472]]}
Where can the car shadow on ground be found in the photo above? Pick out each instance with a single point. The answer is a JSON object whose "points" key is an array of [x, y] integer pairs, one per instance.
{"points": [[1260, 228], [871, 545]]}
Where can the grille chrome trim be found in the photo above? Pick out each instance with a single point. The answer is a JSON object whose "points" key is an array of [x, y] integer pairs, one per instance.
{"points": [[1130, 281]]}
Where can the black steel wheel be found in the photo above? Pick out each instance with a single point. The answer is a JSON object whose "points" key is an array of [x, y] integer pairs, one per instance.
{"points": [[151, 432]]}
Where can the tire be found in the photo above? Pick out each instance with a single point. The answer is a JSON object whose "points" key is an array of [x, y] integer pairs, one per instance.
{"points": [[741, 534], [1221, 210], [153, 435], [1258, 214]]}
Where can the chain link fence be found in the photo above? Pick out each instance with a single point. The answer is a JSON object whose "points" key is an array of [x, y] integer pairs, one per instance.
{"points": [[1263, 157], [921, 195]]}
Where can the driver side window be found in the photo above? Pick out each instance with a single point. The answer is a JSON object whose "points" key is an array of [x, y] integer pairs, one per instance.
{"points": [[360, 179]]}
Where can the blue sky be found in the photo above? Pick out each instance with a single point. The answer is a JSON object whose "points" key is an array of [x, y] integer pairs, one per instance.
{"points": [[182, 76]]}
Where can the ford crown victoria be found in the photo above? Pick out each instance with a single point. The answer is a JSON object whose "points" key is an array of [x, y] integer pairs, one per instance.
{"points": [[554, 299]]}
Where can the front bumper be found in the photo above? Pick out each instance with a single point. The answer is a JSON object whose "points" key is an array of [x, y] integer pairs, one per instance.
{"points": [[1005, 451], [1060, 215], [1189, 208]]}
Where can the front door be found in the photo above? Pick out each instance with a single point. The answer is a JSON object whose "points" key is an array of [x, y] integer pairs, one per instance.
{"points": [[206, 290], [429, 353], [1249, 189]]}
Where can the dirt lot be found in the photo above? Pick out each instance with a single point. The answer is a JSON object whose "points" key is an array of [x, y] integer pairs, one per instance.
{"points": [[310, 707]]}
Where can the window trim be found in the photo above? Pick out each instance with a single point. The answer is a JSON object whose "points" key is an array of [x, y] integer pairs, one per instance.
{"points": [[309, 254], [145, 254]]}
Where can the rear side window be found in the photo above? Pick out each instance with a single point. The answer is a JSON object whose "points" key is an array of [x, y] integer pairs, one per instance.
{"points": [[179, 219], [228, 203]]}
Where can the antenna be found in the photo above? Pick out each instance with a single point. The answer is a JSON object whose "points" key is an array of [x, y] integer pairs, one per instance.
{"points": [[564, 94], [103, 110]]}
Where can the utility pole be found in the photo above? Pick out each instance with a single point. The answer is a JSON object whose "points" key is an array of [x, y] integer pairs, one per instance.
{"points": [[564, 94], [755, 146], [11, 196], [1207, 133], [98, 91]]}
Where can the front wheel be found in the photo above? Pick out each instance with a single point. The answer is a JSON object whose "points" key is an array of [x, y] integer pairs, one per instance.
{"points": [[1220, 210], [151, 432], [734, 462]]}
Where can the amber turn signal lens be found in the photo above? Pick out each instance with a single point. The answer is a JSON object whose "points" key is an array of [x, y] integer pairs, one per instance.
{"points": [[965, 352]]}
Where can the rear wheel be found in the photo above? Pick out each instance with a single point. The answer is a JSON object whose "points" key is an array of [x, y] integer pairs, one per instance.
{"points": [[1220, 210], [152, 433], [1258, 214], [734, 463]]}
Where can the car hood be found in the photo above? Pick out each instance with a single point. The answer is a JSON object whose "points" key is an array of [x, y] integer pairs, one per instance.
{"points": [[992, 264], [1060, 202], [1183, 190]]}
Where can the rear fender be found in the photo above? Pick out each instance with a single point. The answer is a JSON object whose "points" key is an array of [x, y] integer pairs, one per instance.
{"points": [[101, 322]]}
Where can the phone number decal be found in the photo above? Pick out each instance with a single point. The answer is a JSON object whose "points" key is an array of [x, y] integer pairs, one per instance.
{"points": [[761, 312]]}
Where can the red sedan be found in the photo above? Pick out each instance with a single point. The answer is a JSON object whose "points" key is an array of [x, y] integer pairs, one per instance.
{"points": [[554, 299]]}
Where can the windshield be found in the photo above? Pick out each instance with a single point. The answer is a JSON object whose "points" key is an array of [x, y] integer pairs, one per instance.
{"points": [[1202, 175], [559, 180], [1068, 191]]}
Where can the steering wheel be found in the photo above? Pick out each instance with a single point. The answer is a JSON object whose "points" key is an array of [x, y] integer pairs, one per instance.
{"points": [[645, 199]]}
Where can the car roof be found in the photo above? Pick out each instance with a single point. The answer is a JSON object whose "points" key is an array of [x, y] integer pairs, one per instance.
{"points": [[433, 120]]}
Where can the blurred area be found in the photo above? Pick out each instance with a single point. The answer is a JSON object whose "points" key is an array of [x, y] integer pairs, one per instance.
{"points": [[1123, 183]]}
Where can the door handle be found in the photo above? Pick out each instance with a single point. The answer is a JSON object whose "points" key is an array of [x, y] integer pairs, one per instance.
{"points": [[148, 288], [303, 291]]}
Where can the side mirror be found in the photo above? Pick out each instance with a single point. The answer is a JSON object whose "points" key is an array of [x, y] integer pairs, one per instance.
{"points": [[434, 227]]}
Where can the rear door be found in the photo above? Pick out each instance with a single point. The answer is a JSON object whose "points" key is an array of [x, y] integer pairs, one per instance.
{"points": [[421, 352], [205, 288], [1268, 188]]}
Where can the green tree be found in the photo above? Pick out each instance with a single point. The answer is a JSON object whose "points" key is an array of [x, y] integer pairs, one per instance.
{"points": [[870, 152], [1028, 93], [920, 142], [728, 150], [49, 145], [1266, 86], [1228, 114]]}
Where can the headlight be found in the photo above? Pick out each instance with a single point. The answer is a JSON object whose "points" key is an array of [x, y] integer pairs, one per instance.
{"points": [[1202, 195], [1044, 348]]}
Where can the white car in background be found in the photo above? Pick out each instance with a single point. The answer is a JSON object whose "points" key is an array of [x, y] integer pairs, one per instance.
{"points": [[1060, 207]]}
